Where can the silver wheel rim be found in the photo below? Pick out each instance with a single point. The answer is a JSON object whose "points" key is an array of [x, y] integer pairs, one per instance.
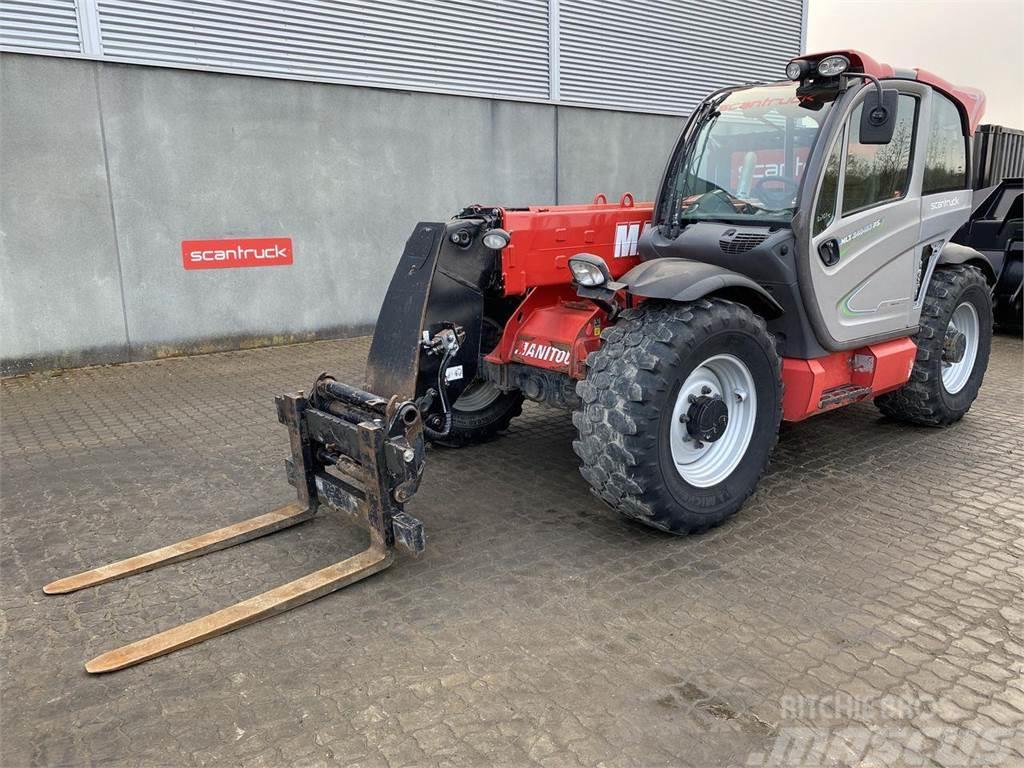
{"points": [[727, 377], [477, 396], [965, 321]]}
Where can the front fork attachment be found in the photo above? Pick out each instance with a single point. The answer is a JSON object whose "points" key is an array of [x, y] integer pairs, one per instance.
{"points": [[351, 450]]}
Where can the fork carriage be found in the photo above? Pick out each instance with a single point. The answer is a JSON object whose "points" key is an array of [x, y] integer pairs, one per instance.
{"points": [[351, 451]]}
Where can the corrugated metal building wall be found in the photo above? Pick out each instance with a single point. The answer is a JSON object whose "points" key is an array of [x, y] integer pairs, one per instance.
{"points": [[644, 55], [133, 126], [657, 56], [47, 26]]}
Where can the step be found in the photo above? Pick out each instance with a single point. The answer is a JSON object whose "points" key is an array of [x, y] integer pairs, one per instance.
{"points": [[842, 395]]}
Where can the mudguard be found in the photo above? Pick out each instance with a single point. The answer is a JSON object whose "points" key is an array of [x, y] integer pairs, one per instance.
{"points": [[684, 280], [954, 253]]}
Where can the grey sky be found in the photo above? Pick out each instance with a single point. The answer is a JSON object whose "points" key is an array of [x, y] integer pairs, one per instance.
{"points": [[979, 43]]}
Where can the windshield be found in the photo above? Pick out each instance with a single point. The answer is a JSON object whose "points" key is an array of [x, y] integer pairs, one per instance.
{"points": [[744, 157]]}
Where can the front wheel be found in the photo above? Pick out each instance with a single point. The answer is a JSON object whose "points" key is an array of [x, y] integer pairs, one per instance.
{"points": [[482, 410], [681, 410], [480, 413], [954, 338]]}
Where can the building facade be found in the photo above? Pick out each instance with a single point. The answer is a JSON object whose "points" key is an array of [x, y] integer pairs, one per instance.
{"points": [[130, 127]]}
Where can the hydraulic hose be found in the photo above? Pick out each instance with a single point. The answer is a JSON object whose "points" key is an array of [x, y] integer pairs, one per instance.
{"points": [[444, 432], [442, 369]]}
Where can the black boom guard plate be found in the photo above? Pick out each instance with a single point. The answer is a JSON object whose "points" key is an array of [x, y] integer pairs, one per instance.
{"points": [[436, 284], [393, 364]]}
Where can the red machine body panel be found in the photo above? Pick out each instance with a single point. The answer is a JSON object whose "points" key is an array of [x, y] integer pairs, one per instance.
{"points": [[552, 329], [825, 383], [544, 237]]}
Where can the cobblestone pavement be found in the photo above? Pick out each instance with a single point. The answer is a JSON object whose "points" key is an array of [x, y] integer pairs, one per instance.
{"points": [[864, 608]]}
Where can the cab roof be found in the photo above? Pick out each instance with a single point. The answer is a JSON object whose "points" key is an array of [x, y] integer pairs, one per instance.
{"points": [[970, 100]]}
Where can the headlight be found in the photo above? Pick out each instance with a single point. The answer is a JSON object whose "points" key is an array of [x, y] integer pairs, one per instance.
{"points": [[588, 270], [795, 70], [831, 66], [496, 239]]}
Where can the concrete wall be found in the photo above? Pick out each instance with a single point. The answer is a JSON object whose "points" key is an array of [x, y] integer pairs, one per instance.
{"points": [[107, 168]]}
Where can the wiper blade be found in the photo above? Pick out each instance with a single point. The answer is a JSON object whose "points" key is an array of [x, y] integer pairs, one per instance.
{"points": [[712, 219], [700, 116]]}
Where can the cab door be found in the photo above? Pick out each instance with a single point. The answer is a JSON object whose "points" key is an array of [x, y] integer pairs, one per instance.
{"points": [[946, 198], [865, 229]]}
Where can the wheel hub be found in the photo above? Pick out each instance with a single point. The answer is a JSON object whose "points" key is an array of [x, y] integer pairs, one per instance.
{"points": [[954, 347], [707, 418], [960, 347], [713, 420]]}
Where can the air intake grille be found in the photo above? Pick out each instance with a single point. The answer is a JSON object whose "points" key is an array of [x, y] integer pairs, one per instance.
{"points": [[741, 242]]}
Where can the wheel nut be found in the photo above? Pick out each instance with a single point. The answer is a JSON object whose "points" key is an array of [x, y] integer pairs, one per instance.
{"points": [[698, 444], [705, 390], [683, 418]]}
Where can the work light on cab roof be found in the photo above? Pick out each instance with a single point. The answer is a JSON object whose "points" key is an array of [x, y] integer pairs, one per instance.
{"points": [[830, 66]]}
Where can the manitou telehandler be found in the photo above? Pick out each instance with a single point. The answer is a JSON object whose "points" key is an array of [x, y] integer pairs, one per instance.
{"points": [[797, 259]]}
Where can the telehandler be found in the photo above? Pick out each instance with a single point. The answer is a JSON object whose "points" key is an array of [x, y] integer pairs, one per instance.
{"points": [[797, 259]]}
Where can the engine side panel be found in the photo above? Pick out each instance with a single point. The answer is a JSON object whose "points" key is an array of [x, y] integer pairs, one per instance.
{"points": [[543, 239]]}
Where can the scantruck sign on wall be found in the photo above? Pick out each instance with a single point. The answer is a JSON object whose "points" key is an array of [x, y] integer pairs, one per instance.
{"points": [[237, 252]]}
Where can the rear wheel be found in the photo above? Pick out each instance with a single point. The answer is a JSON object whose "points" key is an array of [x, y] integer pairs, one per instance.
{"points": [[953, 342], [681, 410]]}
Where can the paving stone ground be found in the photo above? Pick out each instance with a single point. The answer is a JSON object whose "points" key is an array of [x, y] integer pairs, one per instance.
{"points": [[864, 609]]}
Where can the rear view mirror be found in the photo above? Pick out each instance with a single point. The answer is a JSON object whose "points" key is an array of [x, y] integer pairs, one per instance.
{"points": [[878, 118]]}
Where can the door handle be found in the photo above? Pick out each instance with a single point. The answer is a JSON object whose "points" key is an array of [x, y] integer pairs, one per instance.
{"points": [[829, 252]]}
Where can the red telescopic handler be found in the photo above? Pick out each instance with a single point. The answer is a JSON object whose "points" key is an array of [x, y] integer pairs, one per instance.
{"points": [[798, 258]]}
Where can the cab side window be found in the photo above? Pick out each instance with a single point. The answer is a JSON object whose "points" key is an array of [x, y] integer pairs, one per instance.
{"points": [[825, 210], [879, 173], [945, 163]]}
